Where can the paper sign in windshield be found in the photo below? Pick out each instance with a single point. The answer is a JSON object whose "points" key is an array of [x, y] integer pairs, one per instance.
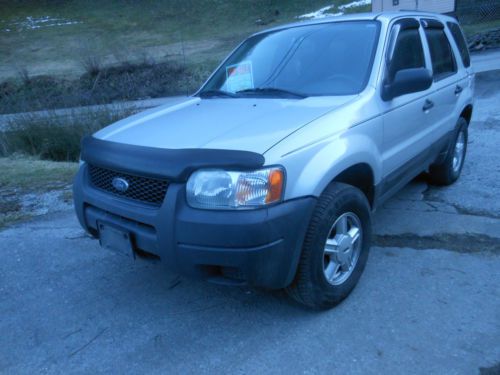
{"points": [[239, 77]]}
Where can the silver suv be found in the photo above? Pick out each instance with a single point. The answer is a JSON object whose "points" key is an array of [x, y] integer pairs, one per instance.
{"points": [[268, 175]]}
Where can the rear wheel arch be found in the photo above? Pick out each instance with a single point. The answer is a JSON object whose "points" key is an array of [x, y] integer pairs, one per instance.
{"points": [[447, 171], [467, 113]]}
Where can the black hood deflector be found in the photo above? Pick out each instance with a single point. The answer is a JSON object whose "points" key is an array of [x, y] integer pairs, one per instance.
{"points": [[173, 164]]}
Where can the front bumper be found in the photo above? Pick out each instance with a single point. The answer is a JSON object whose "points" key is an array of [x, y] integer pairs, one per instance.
{"points": [[257, 247]]}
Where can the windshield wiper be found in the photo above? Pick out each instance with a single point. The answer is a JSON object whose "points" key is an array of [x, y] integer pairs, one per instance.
{"points": [[271, 91], [216, 93]]}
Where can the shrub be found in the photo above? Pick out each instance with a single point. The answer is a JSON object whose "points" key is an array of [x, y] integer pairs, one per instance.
{"points": [[55, 137], [98, 85], [92, 65]]}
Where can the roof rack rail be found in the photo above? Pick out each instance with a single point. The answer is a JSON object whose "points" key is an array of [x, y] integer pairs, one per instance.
{"points": [[414, 10]]}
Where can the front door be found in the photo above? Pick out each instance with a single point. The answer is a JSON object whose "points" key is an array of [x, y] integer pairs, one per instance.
{"points": [[405, 117]]}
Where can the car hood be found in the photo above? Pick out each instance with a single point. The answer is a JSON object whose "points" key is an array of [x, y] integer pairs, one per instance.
{"points": [[249, 124]]}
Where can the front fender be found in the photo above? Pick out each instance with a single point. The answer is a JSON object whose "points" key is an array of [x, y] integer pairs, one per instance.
{"points": [[311, 168]]}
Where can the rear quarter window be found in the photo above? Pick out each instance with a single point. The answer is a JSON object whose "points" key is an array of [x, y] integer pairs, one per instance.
{"points": [[458, 36], [443, 60]]}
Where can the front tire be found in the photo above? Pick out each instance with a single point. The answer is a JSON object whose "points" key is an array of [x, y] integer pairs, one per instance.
{"points": [[335, 248], [447, 172]]}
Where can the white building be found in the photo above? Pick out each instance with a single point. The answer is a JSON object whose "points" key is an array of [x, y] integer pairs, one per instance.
{"points": [[439, 6]]}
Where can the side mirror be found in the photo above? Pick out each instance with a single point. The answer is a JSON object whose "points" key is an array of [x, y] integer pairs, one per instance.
{"points": [[407, 81]]}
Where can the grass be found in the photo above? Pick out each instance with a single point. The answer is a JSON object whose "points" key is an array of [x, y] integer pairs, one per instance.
{"points": [[23, 175], [110, 32], [11, 217], [124, 50], [476, 28], [119, 50], [116, 30], [55, 137], [30, 185], [29, 174]]}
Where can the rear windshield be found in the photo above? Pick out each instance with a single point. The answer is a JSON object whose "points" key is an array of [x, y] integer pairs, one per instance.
{"points": [[312, 60]]}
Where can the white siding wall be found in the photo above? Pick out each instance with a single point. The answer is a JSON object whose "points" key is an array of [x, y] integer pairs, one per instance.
{"points": [[439, 6]]}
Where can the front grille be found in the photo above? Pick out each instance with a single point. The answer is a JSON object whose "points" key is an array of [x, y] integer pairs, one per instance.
{"points": [[143, 189]]}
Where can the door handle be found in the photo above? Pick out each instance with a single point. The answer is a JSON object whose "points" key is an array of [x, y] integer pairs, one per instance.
{"points": [[458, 89], [427, 105]]}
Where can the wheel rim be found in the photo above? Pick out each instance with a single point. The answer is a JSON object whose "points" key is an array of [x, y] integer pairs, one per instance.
{"points": [[342, 248], [458, 153]]}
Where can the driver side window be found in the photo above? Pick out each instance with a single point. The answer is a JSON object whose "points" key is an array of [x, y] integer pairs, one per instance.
{"points": [[408, 52]]}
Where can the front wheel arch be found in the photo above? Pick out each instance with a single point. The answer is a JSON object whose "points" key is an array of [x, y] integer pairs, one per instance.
{"points": [[361, 177]]}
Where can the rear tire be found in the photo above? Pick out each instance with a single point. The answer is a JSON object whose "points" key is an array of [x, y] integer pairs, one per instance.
{"points": [[447, 172], [335, 248]]}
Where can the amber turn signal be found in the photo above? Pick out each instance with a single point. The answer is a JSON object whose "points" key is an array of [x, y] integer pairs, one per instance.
{"points": [[275, 180]]}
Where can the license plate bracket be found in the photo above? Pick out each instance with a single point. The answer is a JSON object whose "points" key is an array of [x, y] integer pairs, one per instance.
{"points": [[115, 239]]}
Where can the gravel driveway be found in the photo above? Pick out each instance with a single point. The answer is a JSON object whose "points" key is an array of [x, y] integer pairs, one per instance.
{"points": [[428, 303]]}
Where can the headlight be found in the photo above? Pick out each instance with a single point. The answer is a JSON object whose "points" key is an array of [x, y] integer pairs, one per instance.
{"points": [[220, 189]]}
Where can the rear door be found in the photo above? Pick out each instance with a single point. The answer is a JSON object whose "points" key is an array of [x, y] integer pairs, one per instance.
{"points": [[449, 81], [405, 117]]}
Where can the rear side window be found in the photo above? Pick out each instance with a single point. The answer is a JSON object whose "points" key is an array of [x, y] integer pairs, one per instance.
{"points": [[458, 36], [408, 52], [443, 61]]}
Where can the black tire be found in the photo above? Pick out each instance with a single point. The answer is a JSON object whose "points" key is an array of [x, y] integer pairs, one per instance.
{"points": [[310, 286], [445, 173]]}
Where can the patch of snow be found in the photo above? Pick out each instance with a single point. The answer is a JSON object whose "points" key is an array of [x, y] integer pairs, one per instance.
{"points": [[33, 23], [320, 13], [355, 4], [323, 12]]}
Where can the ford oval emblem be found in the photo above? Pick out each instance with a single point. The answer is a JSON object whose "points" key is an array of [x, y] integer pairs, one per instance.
{"points": [[120, 184]]}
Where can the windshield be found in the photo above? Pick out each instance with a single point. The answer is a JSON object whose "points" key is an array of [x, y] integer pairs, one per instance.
{"points": [[312, 60]]}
